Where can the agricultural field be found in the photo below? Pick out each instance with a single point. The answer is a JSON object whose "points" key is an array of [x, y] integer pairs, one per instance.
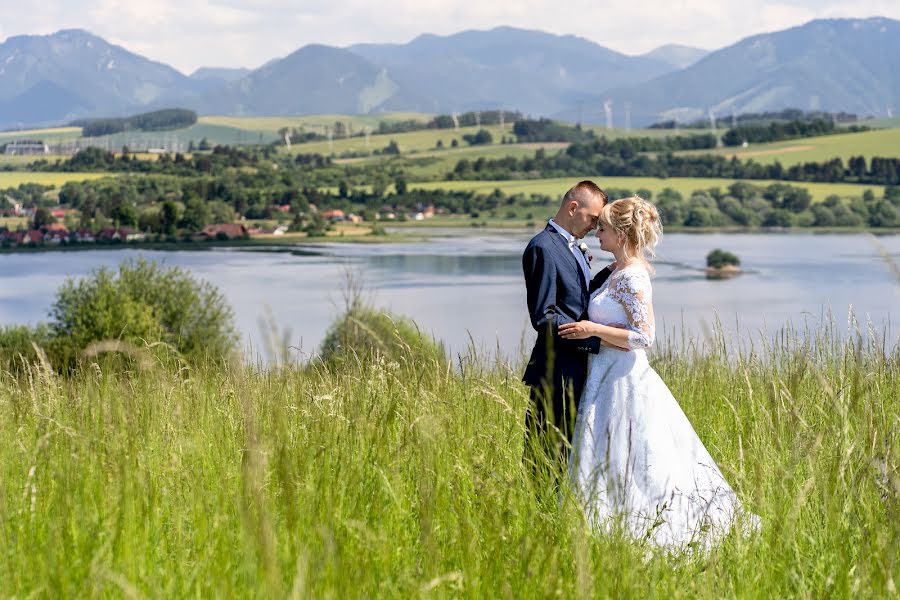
{"points": [[17, 178], [684, 185], [49, 135], [13, 222], [880, 142], [409, 142], [433, 165], [311, 122], [17, 161]]}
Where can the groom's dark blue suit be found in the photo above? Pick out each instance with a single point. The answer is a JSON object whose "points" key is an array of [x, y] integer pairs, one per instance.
{"points": [[557, 294]]}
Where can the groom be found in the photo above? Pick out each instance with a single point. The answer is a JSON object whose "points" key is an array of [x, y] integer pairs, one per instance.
{"points": [[559, 285]]}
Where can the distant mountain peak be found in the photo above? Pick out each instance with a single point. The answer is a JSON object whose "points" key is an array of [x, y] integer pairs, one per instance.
{"points": [[677, 55]]}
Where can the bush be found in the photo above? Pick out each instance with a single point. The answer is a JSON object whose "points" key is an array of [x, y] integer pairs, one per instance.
{"points": [[17, 346], [144, 303], [369, 333], [720, 258]]}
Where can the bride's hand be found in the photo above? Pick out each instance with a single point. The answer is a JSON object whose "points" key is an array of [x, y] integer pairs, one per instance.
{"points": [[576, 331]]}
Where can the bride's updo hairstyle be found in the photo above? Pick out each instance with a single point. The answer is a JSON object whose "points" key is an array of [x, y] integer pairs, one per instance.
{"points": [[638, 222]]}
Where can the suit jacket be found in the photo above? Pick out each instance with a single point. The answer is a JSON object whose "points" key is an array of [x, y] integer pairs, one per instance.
{"points": [[557, 294]]}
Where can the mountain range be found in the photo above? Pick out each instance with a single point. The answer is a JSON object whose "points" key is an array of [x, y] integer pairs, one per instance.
{"points": [[851, 65]]}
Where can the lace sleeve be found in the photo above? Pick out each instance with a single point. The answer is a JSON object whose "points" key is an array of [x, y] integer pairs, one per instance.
{"points": [[633, 291]]}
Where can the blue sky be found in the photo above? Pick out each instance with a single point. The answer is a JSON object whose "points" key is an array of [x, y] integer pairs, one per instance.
{"points": [[191, 33]]}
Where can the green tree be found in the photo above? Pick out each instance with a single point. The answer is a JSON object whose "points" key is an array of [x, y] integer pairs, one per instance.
{"points": [[316, 225], [169, 216], [42, 218], [719, 258], [221, 212], [125, 214], [197, 215]]}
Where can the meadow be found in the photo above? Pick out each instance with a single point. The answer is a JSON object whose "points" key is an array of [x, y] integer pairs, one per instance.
{"points": [[49, 135], [402, 477], [879, 142], [10, 179], [409, 143], [684, 185]]}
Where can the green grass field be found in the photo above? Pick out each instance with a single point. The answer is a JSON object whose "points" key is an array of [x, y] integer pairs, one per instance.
{"points": [[881, 142], [16, 178], [49, 135], [410, 142], [684, 185], [435, 164], [311, 122], [404, 478]]}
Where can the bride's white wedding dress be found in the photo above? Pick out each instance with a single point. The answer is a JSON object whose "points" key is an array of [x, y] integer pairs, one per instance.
{"points": [[636, 460]]}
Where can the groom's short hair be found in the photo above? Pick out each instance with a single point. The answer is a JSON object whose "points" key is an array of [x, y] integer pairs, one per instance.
{"points": [[582, 191]]}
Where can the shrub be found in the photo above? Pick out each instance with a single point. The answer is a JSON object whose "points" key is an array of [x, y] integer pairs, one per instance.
{"points": [[369, 333], [144, 303], [17, 345], [720, 258]]}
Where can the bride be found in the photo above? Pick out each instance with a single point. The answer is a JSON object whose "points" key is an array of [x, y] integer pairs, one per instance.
{"points": [[636, 461]]}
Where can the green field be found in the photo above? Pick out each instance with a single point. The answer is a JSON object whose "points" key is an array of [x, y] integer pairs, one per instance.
{"points": [[402, 477], [311, 122], [881, 142], [435, 164], [684, 185], [410, 142], [49, 136], [17, 178]]}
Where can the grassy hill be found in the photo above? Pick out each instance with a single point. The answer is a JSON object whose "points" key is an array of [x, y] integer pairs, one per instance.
{"points": [[684, 185], [880, 142], [17, 178]]}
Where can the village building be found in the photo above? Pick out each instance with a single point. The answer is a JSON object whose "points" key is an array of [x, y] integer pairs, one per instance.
{"points": [[27, 148]]}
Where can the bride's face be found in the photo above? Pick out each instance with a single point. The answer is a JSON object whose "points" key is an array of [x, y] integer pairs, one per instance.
{"points": [[609, 239]]}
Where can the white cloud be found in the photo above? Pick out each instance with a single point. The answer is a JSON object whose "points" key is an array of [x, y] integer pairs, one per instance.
{"points": [[192, 33]]}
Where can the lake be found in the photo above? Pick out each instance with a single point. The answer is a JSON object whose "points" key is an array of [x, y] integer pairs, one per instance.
{"points": [[466, 285]]}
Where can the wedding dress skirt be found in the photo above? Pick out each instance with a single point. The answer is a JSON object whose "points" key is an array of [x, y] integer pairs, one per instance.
{"points": [[636, 461]]}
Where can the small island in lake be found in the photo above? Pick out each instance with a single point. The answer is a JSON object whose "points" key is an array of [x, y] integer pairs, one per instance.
{"points": [[722, 265]]}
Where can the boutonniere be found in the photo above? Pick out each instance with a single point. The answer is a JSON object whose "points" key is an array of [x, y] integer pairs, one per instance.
{"points": [[586, 252]]}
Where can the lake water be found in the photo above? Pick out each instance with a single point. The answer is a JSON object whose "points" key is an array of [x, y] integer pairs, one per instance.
{"points": [[465, 285]]}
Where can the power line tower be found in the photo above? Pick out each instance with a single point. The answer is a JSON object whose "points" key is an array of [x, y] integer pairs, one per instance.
{"points": [[607, 108]]}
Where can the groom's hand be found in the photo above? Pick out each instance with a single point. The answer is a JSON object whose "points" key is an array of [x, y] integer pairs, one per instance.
{"points": [[576, 331]]}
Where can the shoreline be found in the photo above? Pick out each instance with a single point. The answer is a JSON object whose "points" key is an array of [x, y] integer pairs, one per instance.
{"points": [[424, 234]]}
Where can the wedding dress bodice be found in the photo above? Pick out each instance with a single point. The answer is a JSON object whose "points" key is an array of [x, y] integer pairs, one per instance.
{"points": [[625, 298]]}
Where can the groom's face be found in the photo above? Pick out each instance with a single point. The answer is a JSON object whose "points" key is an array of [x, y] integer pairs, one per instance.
{"points": [[586, 216]]}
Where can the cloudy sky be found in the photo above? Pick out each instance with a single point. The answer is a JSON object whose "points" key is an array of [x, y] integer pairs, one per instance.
{"points": [[246, 33]]}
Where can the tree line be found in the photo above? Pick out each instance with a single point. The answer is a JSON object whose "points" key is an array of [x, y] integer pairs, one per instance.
{"points": [[627, 157], [159, 120]]}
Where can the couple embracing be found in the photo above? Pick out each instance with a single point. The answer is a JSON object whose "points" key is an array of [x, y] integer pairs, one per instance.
{"points": [[634, 460]]}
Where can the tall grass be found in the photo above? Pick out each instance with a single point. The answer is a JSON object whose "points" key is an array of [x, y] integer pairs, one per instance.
{"points": [[404, 478]]}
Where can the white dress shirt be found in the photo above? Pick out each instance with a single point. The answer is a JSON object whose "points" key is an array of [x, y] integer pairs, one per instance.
{"points": [[575, 250]]}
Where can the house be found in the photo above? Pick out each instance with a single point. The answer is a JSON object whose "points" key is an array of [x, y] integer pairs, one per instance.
{"points": [[57, 227], [27, 148], [84, 236], [355, 218], [33, 237], [285, 208], [12, 238], [121, 234], [279, 230], [223, 230], [334, 215]]}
